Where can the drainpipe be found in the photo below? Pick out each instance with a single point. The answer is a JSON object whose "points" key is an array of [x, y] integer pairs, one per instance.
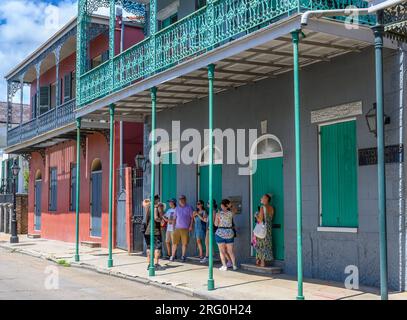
{"points": [[347, 12], [298, 177], [120, 14], [378, 31]]}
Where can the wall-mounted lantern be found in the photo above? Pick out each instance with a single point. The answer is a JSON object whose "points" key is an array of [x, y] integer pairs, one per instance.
{"points": [[371, 120]]}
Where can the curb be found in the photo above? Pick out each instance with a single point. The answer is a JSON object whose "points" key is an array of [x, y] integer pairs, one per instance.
{"points": [[117, 274]]}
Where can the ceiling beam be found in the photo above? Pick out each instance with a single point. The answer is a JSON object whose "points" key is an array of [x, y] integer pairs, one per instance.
{"points": [[328, 45], [287, 54]]}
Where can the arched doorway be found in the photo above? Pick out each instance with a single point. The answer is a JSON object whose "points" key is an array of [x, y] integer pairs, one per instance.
{"points": [[96, 199], [267, 177], [37, 200]]}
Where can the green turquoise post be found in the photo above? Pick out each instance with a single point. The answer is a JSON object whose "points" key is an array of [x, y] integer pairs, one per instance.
{"points": [[112, 27], [78, 186], [151, 270], [211, 77], [111, 148], [378, 31], [298, 187]]}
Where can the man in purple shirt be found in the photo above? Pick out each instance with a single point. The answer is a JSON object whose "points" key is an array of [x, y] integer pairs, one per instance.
{"points": [[183, 225]]}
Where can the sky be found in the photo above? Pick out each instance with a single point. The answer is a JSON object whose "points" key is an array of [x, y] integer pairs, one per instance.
{"points": [[24, 26]]}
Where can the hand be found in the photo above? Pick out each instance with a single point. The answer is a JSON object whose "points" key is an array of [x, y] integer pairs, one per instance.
{"points": [[190, 228]]}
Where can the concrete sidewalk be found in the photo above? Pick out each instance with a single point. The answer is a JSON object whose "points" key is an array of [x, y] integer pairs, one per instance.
{"points": [[190, 278]]}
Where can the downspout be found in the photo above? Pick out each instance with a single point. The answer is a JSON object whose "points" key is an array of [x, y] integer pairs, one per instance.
{"points": [[120, 14], [347, 12]]}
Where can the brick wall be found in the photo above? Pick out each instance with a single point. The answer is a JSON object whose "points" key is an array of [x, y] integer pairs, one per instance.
{"points": [[22, 213]]}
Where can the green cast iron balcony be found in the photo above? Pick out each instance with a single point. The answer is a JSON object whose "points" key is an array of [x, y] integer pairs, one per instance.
{"points": [[200, 32], [50, 120]]}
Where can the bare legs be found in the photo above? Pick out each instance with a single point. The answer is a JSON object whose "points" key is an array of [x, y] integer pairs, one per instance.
{"points": [[157, 254], [231, 254], [174, 249], [222, 252], [168, 245], [200, 249]]}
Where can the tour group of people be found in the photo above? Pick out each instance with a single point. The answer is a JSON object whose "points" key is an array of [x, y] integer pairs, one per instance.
{"points": [[178, 221]]}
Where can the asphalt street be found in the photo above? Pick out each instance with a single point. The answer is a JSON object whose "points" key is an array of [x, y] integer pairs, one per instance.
{"points": [[26, 277]]}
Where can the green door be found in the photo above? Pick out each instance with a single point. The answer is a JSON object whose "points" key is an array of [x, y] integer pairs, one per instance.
{"points": [[339, 199], [204, 183], [168, 177], [268, 178]]}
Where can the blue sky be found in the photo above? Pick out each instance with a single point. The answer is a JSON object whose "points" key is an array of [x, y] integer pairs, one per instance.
{"points": [[24, 26]]}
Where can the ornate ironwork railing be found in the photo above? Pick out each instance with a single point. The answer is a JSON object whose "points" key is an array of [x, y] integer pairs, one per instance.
{"points": [[50, 120], [203, 30]]}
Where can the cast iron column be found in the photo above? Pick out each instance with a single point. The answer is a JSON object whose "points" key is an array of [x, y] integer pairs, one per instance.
{"points": [[378, 31], [151, 270], [211, 77], [298, 187], [77, 186], [14, 236], [111, 148]]}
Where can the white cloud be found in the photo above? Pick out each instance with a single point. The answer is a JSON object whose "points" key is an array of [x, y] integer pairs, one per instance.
{"points": [[24, 26]]}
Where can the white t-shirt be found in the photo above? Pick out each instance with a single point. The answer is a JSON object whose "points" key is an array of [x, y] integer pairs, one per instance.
{"points": [[170, 215]]}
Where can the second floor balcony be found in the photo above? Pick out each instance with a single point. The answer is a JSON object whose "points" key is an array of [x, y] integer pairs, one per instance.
{"points": [[211, 26], [57, 117]]}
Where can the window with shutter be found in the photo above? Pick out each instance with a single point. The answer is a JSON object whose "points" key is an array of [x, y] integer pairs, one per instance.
{"points": [[67, 87], [72, 203], [45, 98], [33, 106], [53, 189], [338, 175]]}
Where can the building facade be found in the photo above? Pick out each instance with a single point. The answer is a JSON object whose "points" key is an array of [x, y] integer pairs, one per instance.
{"points": [[265, 97], [47, 137]]}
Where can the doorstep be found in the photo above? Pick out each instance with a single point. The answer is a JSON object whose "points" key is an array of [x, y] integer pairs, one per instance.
{"points": [[33, 236], [91, 244], [276, 267]]}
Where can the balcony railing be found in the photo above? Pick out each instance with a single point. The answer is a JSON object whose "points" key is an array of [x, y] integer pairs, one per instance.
{"points": [[50, 120], [195, 34]]}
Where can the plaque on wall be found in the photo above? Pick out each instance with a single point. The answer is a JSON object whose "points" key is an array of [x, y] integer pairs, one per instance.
{"points": [[392, 154]]}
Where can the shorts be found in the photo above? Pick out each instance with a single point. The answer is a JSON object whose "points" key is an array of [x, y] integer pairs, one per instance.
{"points": [[169, 236], [157, 242], [220, 240], [180, 235]]}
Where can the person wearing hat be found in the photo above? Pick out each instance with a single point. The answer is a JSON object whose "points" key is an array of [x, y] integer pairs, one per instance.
{"points": [[169, 219], [183, 225]]}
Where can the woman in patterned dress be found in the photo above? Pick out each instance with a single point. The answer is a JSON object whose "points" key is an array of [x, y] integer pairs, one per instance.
{"points": [[264, 247]]}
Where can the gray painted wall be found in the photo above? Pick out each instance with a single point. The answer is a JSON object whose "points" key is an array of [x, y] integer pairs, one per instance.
{"points": [[345, 79]]}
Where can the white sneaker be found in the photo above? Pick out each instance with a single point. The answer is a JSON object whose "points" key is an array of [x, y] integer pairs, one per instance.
{"points": [[223, 268], [235, 268], [204, 260]]}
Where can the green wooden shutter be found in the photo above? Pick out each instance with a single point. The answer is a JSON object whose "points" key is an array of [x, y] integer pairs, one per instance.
{"points": [[72, 204], [339, 175], [67, 87], [33, 106], [168, 177], [45, 93], [53, 189]]}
